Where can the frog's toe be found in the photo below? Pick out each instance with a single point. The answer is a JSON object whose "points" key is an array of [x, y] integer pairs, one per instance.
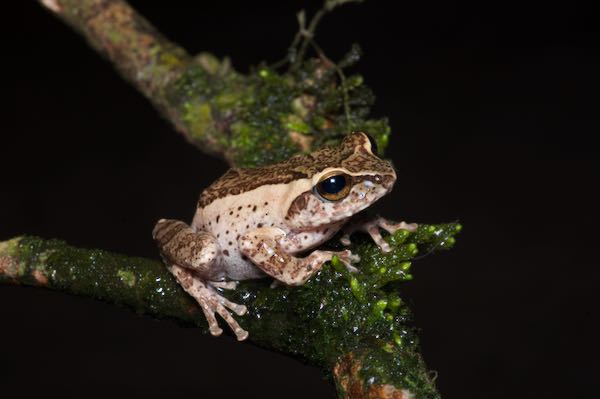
{"points": [[220, 305], [348, 258], [392, 227], [350, 268], [239, 332], [240, 310], [213, 325], [345, 239], [226, 285], [375, 234], [372, 228]]}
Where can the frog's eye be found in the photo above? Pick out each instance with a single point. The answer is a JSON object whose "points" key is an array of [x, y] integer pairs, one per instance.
{"points": [[373, 144], [334, 187]]}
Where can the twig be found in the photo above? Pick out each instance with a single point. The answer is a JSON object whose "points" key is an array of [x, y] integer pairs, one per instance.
{"points": [[342, 77]]}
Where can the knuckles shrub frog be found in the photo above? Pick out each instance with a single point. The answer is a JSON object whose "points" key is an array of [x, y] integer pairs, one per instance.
{"points": [[260, 222]]}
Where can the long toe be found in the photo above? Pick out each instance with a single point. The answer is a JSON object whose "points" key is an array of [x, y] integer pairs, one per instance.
{"points": [[345, 240], [240, 310], [226, 285], [376, 236], [240, 333]]}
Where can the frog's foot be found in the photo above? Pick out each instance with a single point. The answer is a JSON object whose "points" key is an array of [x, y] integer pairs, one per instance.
{"points": [[372, 226], [226, 285], [211, 301]]}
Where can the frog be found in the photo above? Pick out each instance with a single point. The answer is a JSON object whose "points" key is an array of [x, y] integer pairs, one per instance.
{"points": [[267, 221]]}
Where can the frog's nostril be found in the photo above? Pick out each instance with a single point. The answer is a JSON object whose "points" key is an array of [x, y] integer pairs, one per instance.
{"points": [[388, 181]]}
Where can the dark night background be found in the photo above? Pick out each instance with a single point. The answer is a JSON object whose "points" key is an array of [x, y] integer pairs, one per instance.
{"points": [[493, 109]]}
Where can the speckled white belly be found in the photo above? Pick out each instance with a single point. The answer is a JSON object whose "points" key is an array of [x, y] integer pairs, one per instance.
{"points": [[231, 217]]}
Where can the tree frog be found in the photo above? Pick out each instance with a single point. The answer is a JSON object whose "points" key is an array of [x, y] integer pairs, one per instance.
{"points": [[257, 222]]}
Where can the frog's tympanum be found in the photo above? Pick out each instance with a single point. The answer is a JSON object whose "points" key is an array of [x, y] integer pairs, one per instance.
{"points": [[260, 222]]}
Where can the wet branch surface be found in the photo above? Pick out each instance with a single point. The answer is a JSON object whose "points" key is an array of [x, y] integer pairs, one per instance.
{"points": [[355, 326]]}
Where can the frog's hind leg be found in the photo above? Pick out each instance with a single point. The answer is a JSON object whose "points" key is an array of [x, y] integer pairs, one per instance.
{"points": [[194, 258], [180, 245]]}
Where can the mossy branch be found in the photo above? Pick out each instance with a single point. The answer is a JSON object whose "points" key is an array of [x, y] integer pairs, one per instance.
{"points": [[353, 325], [248, 120]]}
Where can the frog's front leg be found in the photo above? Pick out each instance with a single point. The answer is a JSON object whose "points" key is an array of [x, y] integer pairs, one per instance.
{"points": [[371, 226], [194, 258], [265, 247]]}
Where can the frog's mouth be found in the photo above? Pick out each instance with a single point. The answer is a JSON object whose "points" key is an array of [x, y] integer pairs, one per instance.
{"points": [[332, 226]]}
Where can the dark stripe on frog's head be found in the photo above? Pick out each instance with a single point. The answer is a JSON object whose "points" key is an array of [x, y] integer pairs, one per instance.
{"points": [[353, 154]]}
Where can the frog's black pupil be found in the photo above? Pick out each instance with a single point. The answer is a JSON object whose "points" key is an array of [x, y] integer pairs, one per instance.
{"points": [[333, 184], [373, 144]]}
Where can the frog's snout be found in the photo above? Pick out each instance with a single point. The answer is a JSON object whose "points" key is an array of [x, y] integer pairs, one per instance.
{"points": [[388, 178], [387, 181]]}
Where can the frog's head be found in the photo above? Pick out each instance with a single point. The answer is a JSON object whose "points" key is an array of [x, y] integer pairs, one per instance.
{"points": [[343, 181]]}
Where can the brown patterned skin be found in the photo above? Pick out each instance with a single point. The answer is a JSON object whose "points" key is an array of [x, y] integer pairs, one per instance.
{"points": [[252, 223], [353, 154]]}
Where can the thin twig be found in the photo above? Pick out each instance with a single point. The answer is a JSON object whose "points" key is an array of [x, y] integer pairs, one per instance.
{"points": [[308, 34], [342, 76]]}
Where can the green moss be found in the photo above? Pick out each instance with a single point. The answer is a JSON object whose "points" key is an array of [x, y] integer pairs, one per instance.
{"points": [[250, 118], [198, 116], [194, 85], [261, 136], [308, 102], [295, 123], [127, 277], [149, 288], [379, 129], [115, 35], [209, 62], [171, 60], [335, 313], [9, 247]]}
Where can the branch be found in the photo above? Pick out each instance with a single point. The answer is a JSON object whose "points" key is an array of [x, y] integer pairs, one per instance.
{"points": [[145, 58], [248, 120], [354, 326]]}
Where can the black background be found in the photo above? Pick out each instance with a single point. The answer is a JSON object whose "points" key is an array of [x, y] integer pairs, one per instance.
{"points": [[493, 109]]}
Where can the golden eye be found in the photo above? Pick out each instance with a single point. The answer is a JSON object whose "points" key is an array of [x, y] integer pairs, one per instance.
{"points": [[334, 187]]}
